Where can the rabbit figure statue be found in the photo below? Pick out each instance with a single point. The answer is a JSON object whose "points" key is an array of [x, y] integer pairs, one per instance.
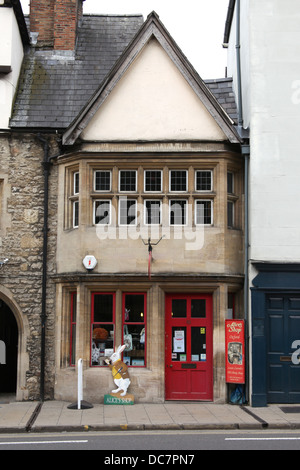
{"points": [[119, 371]]}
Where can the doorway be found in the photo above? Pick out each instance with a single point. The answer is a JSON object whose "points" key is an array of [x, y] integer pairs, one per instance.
{"points": [[9, 349], [188, 347], [283, 327]]}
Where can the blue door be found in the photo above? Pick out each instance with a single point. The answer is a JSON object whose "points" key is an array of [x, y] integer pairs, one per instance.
{"points": [[283, 328]]}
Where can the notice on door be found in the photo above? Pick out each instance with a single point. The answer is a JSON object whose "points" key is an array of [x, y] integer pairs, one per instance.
{"points": [[235, 351], [178, 342]]}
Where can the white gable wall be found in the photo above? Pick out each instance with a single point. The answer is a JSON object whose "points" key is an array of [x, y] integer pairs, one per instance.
{"points": [[152, 101]]}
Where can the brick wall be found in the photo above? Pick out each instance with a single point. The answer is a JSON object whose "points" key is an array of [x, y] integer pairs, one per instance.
{"points": [[56, 22], [42, 20]]}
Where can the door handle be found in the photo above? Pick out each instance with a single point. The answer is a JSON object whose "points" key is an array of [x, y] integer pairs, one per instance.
{"points": [[171, 365]]}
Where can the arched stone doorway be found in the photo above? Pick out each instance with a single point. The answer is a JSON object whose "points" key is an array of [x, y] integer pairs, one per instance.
{"points": [[9, 339], [14, 331]]}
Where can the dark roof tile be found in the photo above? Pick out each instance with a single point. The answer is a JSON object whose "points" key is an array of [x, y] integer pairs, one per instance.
{"points": [[49, 78], [55, 85], [222, 90]]}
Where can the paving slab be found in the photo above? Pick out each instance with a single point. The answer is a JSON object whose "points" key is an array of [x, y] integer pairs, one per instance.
{"points": [[57, 416]]}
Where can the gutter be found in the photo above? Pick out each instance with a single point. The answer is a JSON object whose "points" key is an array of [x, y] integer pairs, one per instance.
{"points": [[228, 22]]}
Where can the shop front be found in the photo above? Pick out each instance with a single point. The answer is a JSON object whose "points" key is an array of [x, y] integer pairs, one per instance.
{"points": [[175, 342]]}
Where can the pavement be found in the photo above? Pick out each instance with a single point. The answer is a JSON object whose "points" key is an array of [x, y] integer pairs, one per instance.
{"points": [[57, 416]]}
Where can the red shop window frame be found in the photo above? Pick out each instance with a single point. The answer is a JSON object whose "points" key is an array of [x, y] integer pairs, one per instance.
{"points": [[136, 327], [108, 325], [73, 315]]}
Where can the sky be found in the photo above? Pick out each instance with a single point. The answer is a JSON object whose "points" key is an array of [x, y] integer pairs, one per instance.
{"points": [[197, 26]]}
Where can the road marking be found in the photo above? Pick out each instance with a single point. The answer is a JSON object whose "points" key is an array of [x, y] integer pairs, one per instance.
{"points": [[42, 442], [262, 438]]}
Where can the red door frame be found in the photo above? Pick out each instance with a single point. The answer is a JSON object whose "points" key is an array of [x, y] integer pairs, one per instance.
{"points": [[187, 379]]}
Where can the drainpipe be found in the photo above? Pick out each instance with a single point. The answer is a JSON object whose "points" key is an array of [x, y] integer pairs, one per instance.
{"points": [[246, 153], [46, 167]]}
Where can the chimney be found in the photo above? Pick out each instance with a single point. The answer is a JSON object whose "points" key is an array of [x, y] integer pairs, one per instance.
{"points": [[56, 22]]}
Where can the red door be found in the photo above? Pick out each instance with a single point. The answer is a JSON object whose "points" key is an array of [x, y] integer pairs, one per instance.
{"points": [[188, 345]]}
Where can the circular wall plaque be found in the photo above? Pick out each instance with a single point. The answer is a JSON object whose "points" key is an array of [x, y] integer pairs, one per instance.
{"points": [[89, 262]]}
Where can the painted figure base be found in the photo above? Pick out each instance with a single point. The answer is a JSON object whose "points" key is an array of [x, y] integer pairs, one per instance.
{"points": [[116, 399]]}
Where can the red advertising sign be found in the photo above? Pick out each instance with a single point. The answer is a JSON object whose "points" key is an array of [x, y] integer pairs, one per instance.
{"points": [[235, 351]]}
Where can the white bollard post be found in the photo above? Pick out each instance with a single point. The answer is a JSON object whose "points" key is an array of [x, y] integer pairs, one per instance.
{"points": [[80, 403], [79, 386]]}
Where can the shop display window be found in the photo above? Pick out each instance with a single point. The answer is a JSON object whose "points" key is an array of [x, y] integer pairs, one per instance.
{"points": [[134, 329], [102, 327]]}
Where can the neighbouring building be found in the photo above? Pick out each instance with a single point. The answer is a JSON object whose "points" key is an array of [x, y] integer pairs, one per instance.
{"points": [[122, 209], [265, 38]]}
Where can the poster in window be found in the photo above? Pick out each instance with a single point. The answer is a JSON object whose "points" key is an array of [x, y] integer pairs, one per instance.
{"points": [[235, 351], [178, 342]]}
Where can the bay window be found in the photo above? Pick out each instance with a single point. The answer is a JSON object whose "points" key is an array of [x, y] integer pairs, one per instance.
{"points": [[127, 181], [178, 212], [102, 180], [153, 181], [178, 180], [203, 180], [203, 212], [102, 212], [152, 212], [127, 212]]}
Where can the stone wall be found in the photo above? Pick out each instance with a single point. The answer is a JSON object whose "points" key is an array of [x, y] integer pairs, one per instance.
{"points": [[21, 241]]}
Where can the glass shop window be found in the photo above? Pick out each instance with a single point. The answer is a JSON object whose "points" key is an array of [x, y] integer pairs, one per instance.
{"points": [[102, 327], [134, 329]]}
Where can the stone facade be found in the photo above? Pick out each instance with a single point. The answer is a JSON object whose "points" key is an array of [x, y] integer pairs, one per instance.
{"points": [[184, 134], [21, 232]]}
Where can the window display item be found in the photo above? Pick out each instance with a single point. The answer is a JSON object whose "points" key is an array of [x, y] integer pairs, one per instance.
{"points": [[100, 333], [95, 352], [127, 339]]}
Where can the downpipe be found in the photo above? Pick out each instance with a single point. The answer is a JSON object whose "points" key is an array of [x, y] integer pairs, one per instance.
{"points": [[245, 148], [46, 171]]}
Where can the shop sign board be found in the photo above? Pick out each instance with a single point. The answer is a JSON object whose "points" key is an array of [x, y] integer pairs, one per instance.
{"points": [[235, 351]]}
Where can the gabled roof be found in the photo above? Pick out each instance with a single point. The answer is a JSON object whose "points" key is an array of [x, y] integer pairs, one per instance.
{"points": [[151, 28], [55, 85]]}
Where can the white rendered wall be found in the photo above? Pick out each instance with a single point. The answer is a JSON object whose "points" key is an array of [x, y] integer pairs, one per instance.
{"points": [[11, 53], [153, 101], [275, 126], [270, 56]]}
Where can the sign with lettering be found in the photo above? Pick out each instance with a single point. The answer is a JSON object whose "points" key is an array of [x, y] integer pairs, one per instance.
{"points": [[235, 351], [116, 399]]}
